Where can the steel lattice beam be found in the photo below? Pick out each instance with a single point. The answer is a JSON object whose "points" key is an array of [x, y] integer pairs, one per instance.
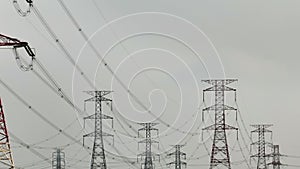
{"points": [[58, 159], [5, 151], [261, 144], [220, 153], [179, 157], [276, 162], [148, 155], [98, 160]]}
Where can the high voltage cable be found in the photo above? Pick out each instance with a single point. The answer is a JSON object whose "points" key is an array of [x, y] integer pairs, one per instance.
{"points": [[65, 97], [62, 47], [242, 136], [85, 37], [67, 54], [40, 115], [35, 145], [57, 88], [292, 156], [53, 136], [244, 127], [53, 81], [241, 117], [104, 62], [127, 52], [30, 149], [50, 123], [31, 164], [248, 165], [64, 146], [47, 73]]}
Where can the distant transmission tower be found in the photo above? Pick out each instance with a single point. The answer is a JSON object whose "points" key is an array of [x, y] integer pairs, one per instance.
{"points": [[58, 159], [98, 155], [276, 158], [148, 155], [5, 151], [220, 153], [261, 144], [179, 157]]}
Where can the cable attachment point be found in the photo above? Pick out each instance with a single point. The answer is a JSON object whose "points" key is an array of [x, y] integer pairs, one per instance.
{"points": [[21, 12]]}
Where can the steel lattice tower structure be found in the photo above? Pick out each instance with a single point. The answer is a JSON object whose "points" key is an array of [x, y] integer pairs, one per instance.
{"points": [[220, 153], [261, 143], [276, 158], [58, 159], [179, 156], [5, 151], [98, 155], [148, 155]]}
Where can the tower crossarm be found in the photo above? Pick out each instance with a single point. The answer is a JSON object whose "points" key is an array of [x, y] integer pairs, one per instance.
{"points": [[261, 125], [277, 164], [143, 154], [258, 155], [265, 143], [148, 141], [173, 162], [15, 43], [219, 88], [101, 93], [180, 153], [220, 127], [213, 108], [103, 116], [145, 128], [92, 99], [264, 130], [215, 81], [92, 134]]}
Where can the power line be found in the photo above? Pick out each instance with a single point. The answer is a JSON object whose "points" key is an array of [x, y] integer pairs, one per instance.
{"points": [[56, 88], [21, 142], [54, 84], [35, 111], [91, 45]]}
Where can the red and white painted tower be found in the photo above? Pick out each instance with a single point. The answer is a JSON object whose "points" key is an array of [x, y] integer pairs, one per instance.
{"points": [[5, 150]]}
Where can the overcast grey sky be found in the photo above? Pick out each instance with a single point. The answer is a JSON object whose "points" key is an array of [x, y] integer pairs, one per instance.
{"points": [[161, 50]]}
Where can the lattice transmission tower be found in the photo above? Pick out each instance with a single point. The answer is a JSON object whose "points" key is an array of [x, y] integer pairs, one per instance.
{"points": [[261, 144], [98, 160], [220, 153], [179, 157], [58, 159], [6, 159], [276, 162], [148, 156]]}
